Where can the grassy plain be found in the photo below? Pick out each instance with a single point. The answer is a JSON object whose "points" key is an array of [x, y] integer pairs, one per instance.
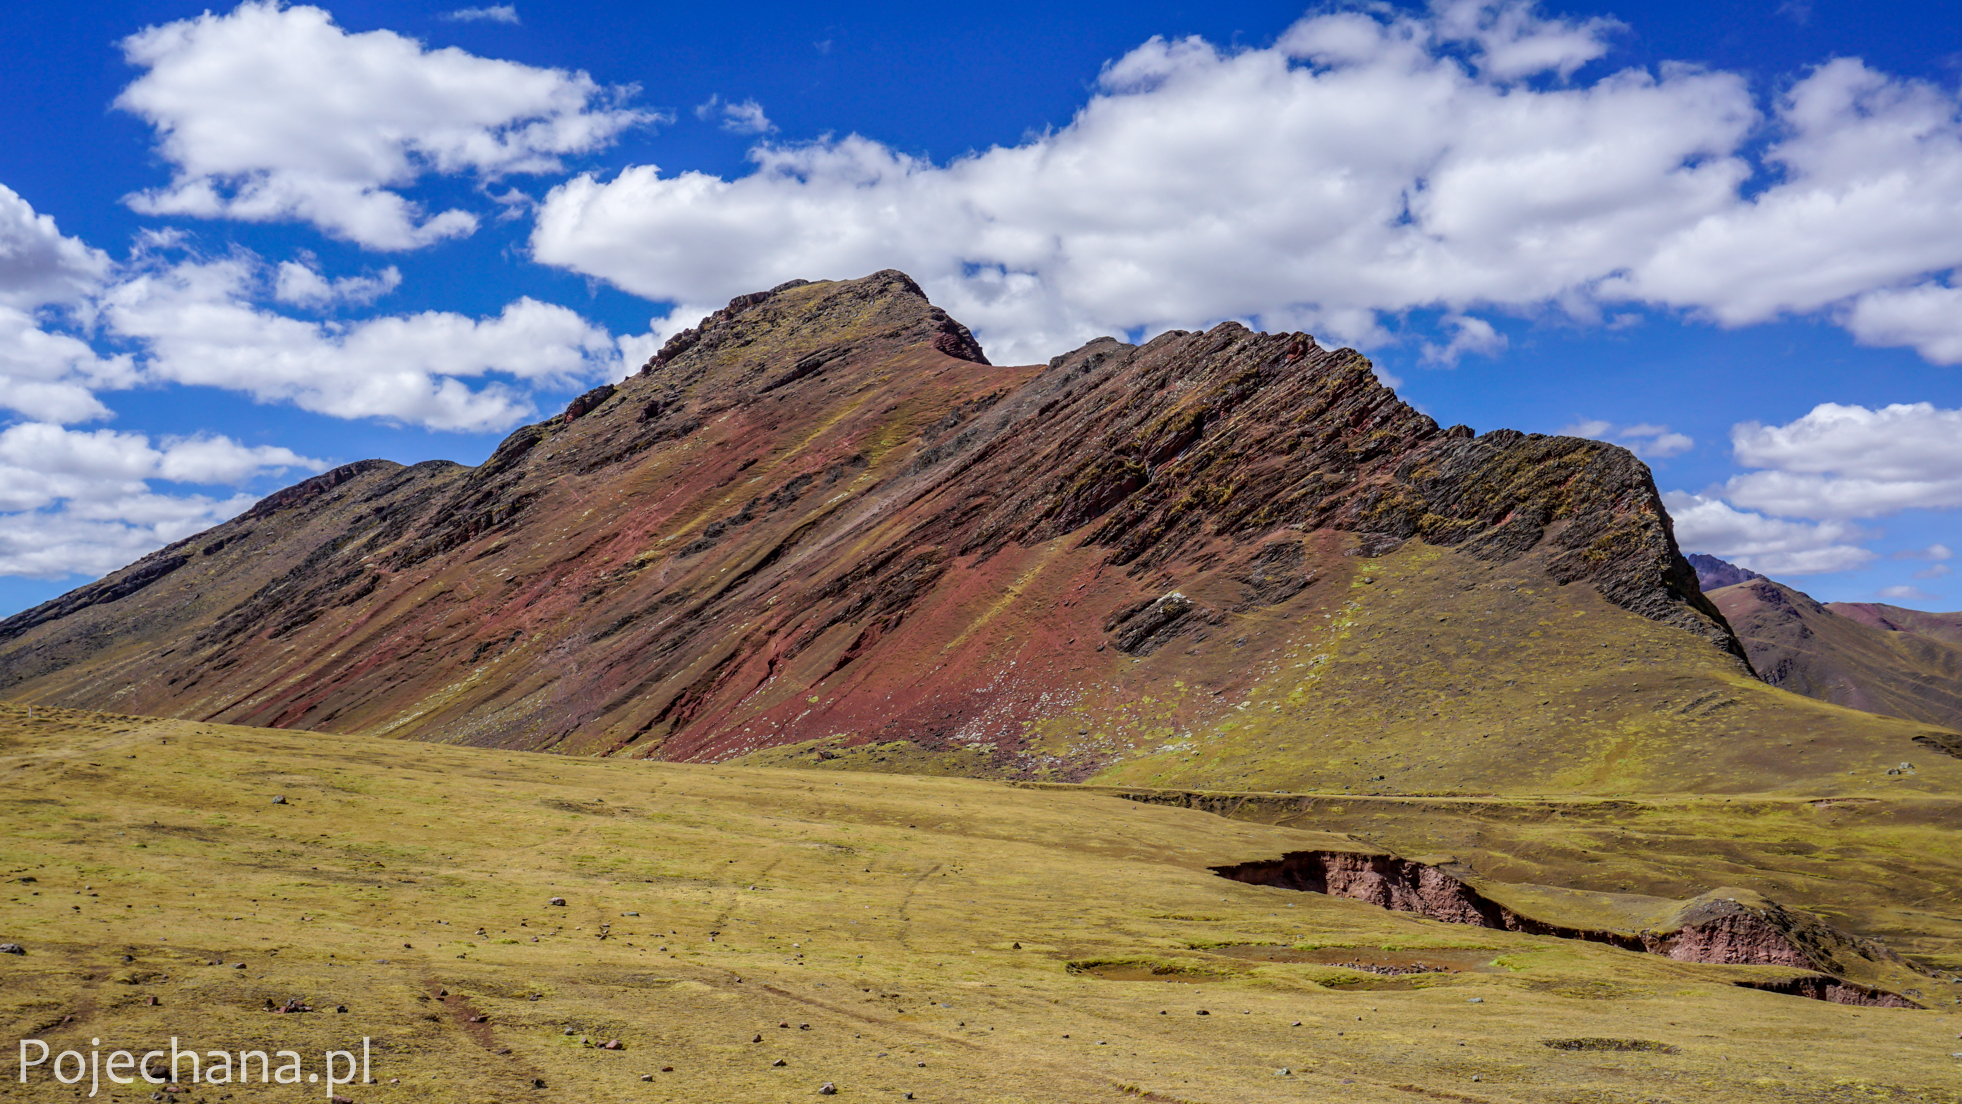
{"points": [[956, 939]]}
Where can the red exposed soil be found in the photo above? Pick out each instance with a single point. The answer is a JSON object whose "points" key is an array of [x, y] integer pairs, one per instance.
{"points": [[1711, 930], [823, 515]]}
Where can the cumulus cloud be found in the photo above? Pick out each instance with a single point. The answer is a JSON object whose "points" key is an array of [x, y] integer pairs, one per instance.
{"points": [[1932, 552], [46, 373], [272, 113], [1650, 442], [1906, 593], [1926, 318], [1471, 335], [75, 501], [496, 13], [1771, 546], [1842, 461], [198, 325], [39, 265], [303, 286], [1366, 164], [741, 118]]}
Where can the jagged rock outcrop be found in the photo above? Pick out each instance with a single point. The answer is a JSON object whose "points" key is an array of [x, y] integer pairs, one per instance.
{"points": [[823, 515]]}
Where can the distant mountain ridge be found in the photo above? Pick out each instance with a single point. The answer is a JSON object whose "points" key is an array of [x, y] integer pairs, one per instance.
{"points": [[1713, 573], [820, 529], [1879, 658]]}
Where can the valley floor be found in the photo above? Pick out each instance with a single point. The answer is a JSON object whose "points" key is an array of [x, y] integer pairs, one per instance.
{"points": [[951, 939]]}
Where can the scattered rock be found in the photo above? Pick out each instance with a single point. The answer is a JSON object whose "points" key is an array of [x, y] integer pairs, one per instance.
{"points": [[279, 799], [558, 902], [12, 948], [1476, 1000], [1202, 1012], [1284, 1072], [340, 1008], [758, 1039], [150, 1001], [827, 1089], [612, 1044], [647, 1077], [538, 1082], [667, 1069], [778, 1062]]}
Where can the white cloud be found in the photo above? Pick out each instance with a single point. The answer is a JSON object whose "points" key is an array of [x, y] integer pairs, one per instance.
{"points": [[1932, 552], [81, 501], [1513, 40], [1650, 442], [54, 376], [301, 285], [741, 118], [45, 373], [198, 325], [1927, 318], [1365, 165], [39, 265], [272, 113], [496, 13], [1849, 461], [1771, 546], [746, 118], [1934, 572], [1906, 593], [1474, 335]]}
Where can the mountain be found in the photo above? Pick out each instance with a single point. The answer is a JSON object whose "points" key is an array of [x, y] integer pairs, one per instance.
{"points": [[1882, 659], [1713, 573], [820, 529]]}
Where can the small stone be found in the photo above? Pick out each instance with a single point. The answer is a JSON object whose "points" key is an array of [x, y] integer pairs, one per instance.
{"points": [[238, 965], [12, 948], [570, 1031], [340, 1008], [612, 1044], [647, 1077], [827, 1089], [1202, 1012], [279, 799], [538, 1082], [1017, 947], [557, 902], [758, 1039], [778, 1062], [1476, 1000], [1296, 1023], [1284, 1072], [667, 1069]]}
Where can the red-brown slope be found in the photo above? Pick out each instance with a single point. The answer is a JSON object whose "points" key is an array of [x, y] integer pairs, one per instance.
{"points": [[1945, 627], [822, 513], [1858, 656]]}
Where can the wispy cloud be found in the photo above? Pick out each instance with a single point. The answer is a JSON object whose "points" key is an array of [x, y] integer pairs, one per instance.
{"points": [[497, 13]]}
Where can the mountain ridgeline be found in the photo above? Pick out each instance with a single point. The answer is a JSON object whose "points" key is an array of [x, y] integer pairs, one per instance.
{"points": [[1862, 655], [820, 529]]}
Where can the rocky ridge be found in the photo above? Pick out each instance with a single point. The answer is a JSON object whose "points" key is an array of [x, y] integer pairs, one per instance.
{"points": [[821, 517]]}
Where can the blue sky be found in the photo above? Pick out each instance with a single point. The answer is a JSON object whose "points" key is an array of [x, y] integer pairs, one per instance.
{"points": [[240, 245]]}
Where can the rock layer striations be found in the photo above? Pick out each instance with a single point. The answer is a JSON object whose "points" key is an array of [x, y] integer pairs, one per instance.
{"points": [[822, 520]]}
